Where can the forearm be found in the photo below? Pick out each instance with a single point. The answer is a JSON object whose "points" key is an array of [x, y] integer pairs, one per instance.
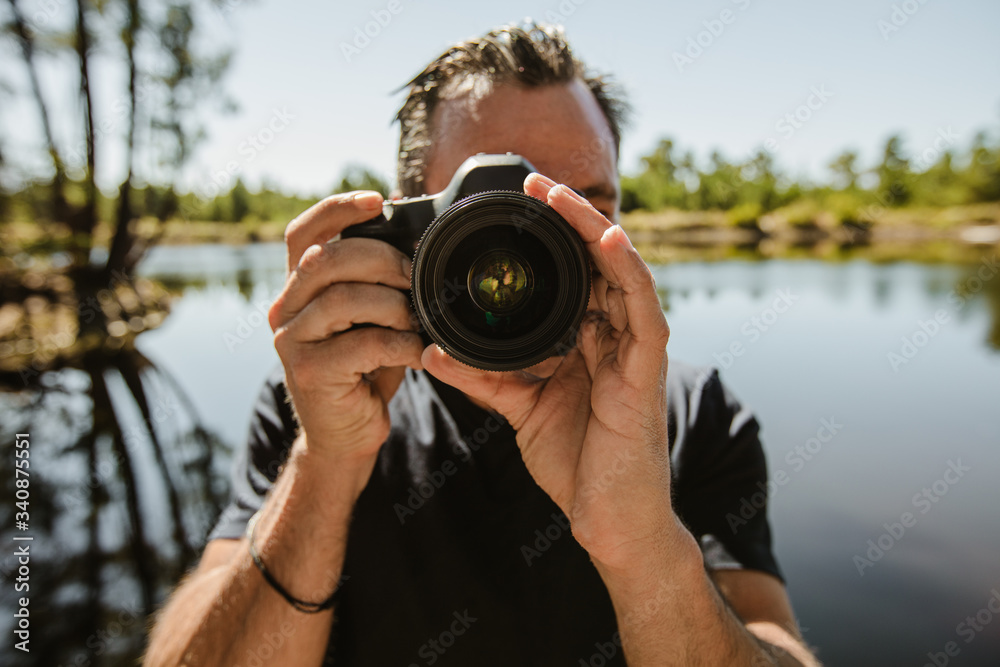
{"points": [[670, 613], [225, 614]]}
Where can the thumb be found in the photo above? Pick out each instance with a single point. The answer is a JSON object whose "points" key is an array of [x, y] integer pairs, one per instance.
{"points": [[512, 393]]}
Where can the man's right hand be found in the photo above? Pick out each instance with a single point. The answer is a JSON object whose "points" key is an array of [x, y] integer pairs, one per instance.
{"points": [[341, 378]]}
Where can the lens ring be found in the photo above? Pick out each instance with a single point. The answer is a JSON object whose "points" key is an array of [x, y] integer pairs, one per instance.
{"points": [[439, 296]]}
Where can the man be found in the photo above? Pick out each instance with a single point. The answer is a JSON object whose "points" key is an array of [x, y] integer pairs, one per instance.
{"points": [[581, 523]]}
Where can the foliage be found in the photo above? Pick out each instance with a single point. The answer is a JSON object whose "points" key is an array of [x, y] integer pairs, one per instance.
{"points": [[164, 70], [754, 187]]}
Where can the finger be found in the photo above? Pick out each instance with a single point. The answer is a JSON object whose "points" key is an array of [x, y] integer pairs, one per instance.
{"points": [[342, 305], [581, 215], [349, 260], [589, 340], [387, 381], [584, 219], [511, 394], [538, 186], [324, 220], [600, 292], [353, 354], [632, 299]]}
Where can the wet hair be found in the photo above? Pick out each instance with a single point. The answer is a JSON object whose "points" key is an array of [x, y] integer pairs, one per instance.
{"points": [[528, 55]]}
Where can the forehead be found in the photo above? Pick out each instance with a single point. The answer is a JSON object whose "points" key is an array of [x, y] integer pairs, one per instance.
{"points": [[559, 128]]}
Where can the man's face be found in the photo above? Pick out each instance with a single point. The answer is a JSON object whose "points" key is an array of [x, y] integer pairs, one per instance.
{"points": [[559, 128]]}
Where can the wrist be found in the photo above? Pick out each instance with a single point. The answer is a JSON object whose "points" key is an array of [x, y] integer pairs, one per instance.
{"points": [[669, 556], [301, 531], [331, 471]]}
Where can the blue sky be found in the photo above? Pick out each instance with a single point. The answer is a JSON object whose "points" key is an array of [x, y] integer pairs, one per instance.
{"points": [[760, 60]]}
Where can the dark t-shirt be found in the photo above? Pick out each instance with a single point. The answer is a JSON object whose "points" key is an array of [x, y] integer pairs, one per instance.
{"points": [[455, 556]]}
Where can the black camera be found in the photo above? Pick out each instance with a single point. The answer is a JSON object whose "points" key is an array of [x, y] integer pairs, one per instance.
{"points": [[499, 280]]}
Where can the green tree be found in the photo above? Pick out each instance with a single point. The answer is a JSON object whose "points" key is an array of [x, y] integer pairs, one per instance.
{"points": [[661, 183], [894, 178], [982, 176], [760, 182], [170, 69], [239, 202], [357, 177], [719, 188], [845, 170]]}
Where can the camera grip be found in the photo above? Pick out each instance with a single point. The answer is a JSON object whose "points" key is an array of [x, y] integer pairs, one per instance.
{"points": [[379, 227]]}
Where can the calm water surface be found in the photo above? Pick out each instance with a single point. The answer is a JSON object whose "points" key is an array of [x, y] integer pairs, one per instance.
{"points": [[896, 424], [876, 384]]}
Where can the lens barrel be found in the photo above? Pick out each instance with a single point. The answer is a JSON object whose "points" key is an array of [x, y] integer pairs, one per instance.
{"points": [[501, 281]]}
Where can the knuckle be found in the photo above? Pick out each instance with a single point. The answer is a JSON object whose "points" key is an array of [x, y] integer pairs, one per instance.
{"points": [[313, 258], [334, 203], [292, 229], [274, 313], [282, 343]]}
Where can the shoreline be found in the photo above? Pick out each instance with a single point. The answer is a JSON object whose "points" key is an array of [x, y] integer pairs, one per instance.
{"points": [[705, 233]]}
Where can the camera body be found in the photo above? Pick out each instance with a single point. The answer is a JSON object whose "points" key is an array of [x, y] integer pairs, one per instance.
{"points": [[403, 221], [499, 279]]}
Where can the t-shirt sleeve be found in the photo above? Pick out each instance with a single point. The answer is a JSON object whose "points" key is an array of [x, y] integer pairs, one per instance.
{"points": [[256, 466], [720, 473]]}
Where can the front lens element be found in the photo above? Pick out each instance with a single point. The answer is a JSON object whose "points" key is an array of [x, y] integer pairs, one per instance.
{"points": [[499, 282]]}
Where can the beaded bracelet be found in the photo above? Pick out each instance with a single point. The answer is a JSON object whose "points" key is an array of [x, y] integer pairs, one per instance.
{"points": [[300, 605]]}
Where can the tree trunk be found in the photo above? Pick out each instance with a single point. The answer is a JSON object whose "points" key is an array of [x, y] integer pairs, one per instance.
{"points": [[120, 255], [87, 219], [60, 209]]}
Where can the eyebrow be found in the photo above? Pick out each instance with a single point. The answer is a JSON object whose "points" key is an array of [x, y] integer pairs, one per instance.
{"points": [[600, 191]]}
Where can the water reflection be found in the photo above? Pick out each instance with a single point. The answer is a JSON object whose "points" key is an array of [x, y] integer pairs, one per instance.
{"points": [[122, 493], [129, 477]]}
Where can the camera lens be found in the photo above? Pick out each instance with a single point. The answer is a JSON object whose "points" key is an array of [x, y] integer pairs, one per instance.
{"points": [[501, 281]]}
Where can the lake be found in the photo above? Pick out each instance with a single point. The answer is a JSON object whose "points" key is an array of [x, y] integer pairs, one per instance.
{"points": [[876, 384]]}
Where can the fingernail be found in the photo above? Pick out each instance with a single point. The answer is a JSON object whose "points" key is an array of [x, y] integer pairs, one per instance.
{"points": [[623, 238], [368, 199], [540, 178]]}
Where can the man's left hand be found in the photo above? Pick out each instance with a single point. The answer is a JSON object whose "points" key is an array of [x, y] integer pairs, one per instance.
{"points": [[593, 434]]}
